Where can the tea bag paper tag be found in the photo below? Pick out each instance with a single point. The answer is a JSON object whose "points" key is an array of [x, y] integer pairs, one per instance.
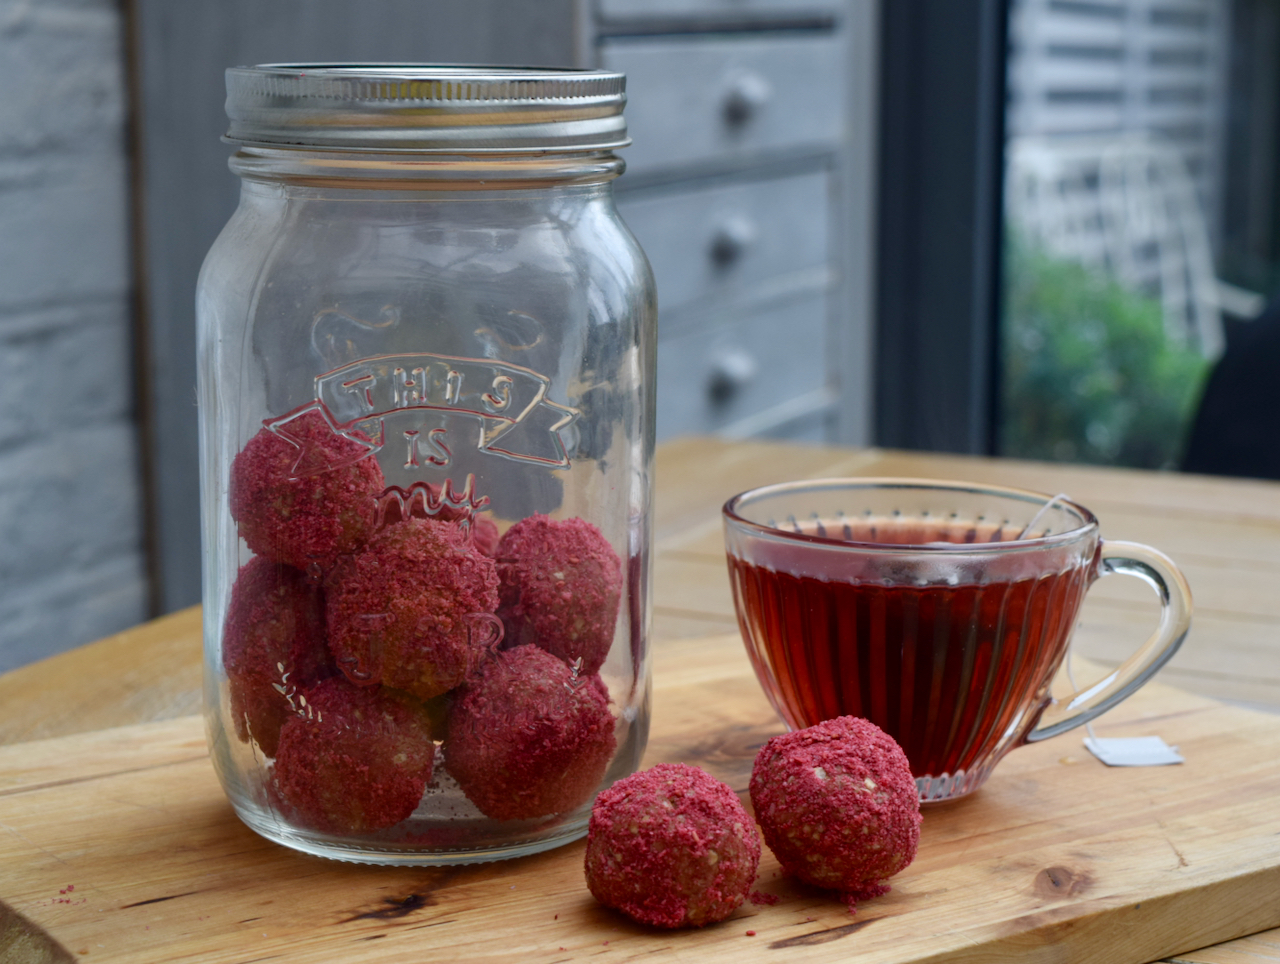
{"points": [[1133, 751]]}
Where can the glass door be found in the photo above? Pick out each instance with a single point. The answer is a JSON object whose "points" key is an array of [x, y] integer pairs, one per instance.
{"points": [[1140, 231]]}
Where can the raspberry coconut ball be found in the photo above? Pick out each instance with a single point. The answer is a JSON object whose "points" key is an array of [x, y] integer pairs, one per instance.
{"points": [[561, 588], [528, 737], [273, 645], [353, 760], [413, 609], [838, 806], [306, 520], [671, 847]]}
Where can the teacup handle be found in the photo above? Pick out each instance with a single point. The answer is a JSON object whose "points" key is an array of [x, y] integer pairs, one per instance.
{"points": [[1159, 572]]}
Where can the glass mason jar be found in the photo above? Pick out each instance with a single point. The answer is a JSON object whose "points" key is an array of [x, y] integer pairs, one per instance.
{"points": [[426, 426]]}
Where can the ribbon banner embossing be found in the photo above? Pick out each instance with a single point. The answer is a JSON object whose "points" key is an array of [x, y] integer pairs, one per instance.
{"points": [[413, 400]]}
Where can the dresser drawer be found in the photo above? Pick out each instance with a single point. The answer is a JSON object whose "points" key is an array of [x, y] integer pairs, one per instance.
{"points": [[709, 379], [706, 241], [728, 97], [635, 9]]}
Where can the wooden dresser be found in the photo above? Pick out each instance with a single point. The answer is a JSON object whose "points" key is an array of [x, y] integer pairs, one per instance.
{"points": [[737, 187]]}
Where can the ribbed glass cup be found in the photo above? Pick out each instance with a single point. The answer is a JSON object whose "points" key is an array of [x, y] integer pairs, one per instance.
{"points": [[939, 611]]}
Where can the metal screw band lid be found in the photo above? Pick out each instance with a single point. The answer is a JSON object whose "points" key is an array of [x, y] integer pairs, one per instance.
{"points": [[422, 107]]}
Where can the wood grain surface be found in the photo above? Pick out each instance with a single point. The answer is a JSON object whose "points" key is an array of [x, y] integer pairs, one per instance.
{"points": [[1224, 533], [150, 672], [120, 845]]}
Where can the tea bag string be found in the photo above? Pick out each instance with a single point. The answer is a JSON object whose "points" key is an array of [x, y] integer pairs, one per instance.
{"points": [[1060, 497]]}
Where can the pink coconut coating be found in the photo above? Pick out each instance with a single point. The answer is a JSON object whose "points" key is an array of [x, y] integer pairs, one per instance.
{"points": [[311, 520], [273, 643], [671, 846], [561, 588], [353, 759], [413, 609], [527, 737], [838, 805]]}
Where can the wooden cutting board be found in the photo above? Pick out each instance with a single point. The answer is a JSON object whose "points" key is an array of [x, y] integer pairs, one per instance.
{"points": [[118, 846]]}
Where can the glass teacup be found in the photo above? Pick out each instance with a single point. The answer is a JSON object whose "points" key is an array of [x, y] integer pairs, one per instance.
{"points": [[940, 611]]}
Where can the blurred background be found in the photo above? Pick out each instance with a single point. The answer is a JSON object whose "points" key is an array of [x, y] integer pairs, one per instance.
{"points": [[1045, 229]]}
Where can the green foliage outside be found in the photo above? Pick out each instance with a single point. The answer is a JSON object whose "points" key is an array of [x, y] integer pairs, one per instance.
{"points": [[1089, 375]]}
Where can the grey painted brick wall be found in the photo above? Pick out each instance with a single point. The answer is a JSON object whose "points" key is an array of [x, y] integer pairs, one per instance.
{"points": [[71, 560]]}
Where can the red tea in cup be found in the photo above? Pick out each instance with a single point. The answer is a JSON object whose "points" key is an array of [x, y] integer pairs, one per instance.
{"points": [[927, 609]]}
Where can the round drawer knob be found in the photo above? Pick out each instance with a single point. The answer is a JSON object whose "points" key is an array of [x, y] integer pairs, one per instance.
{"points": [[731, 371], [731, 240], [745, 98]]}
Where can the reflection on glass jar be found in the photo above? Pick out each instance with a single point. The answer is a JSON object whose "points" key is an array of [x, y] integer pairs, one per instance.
{"points": [[426, 370]]}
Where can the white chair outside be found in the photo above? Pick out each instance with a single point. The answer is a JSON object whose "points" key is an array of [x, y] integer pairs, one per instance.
{"points": [[1126, 204]]}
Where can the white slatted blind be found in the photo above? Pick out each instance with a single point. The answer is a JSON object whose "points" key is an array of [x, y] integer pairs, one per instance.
{"points": [[1124, 66]]}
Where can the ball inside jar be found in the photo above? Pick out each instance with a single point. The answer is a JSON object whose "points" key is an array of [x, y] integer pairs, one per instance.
{"points": [[353, 759], [413, 609], [561, 588], [304, 494], [528, 736]]}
